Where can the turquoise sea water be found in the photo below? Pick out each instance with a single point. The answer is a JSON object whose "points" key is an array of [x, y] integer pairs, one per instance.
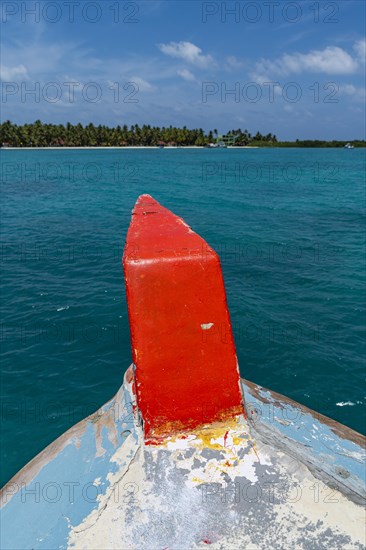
{"points": [[287, 223]]}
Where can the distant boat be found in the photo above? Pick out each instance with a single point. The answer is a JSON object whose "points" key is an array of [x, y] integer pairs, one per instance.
{"points": [[349, 146], [218, 145]]}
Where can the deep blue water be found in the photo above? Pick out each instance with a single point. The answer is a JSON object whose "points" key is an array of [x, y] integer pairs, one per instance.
{"points": [[289, 227]]}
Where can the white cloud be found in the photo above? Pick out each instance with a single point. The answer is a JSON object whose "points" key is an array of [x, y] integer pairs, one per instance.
{"points": [[331, 60], [259, 78], [188, 52], [356, 92], [13, 73], [348, 89], [59, 56], [186, 74], [143, 85], [234, 63], [360, 49]]}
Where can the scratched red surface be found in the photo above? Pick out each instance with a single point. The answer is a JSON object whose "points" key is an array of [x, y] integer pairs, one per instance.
{"points": [[182, 343]]}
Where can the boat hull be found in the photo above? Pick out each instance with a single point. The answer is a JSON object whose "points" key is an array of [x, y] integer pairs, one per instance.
{"points": [[284, 475]]}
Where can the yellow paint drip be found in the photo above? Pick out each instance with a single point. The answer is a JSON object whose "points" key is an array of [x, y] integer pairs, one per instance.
{"points": [[208, 437], [227, 439]]}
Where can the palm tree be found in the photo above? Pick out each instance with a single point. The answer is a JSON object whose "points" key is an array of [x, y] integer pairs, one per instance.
{"points": [[40, 135]]}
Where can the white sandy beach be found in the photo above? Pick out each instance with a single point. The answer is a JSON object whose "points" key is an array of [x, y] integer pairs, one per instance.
{"points": [[127, 147]]}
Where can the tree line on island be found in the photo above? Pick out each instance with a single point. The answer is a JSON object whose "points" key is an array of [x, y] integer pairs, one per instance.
{"points": [[39, 134]]}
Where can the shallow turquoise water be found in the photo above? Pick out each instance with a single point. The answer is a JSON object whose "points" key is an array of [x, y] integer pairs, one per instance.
{"points": [[288, 225]]}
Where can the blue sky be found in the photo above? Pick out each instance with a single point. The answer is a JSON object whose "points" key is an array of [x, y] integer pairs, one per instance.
{"points": [[295, 69]]}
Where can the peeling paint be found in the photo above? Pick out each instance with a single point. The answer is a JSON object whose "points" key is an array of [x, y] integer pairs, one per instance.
{"points": [[246, 483]]}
